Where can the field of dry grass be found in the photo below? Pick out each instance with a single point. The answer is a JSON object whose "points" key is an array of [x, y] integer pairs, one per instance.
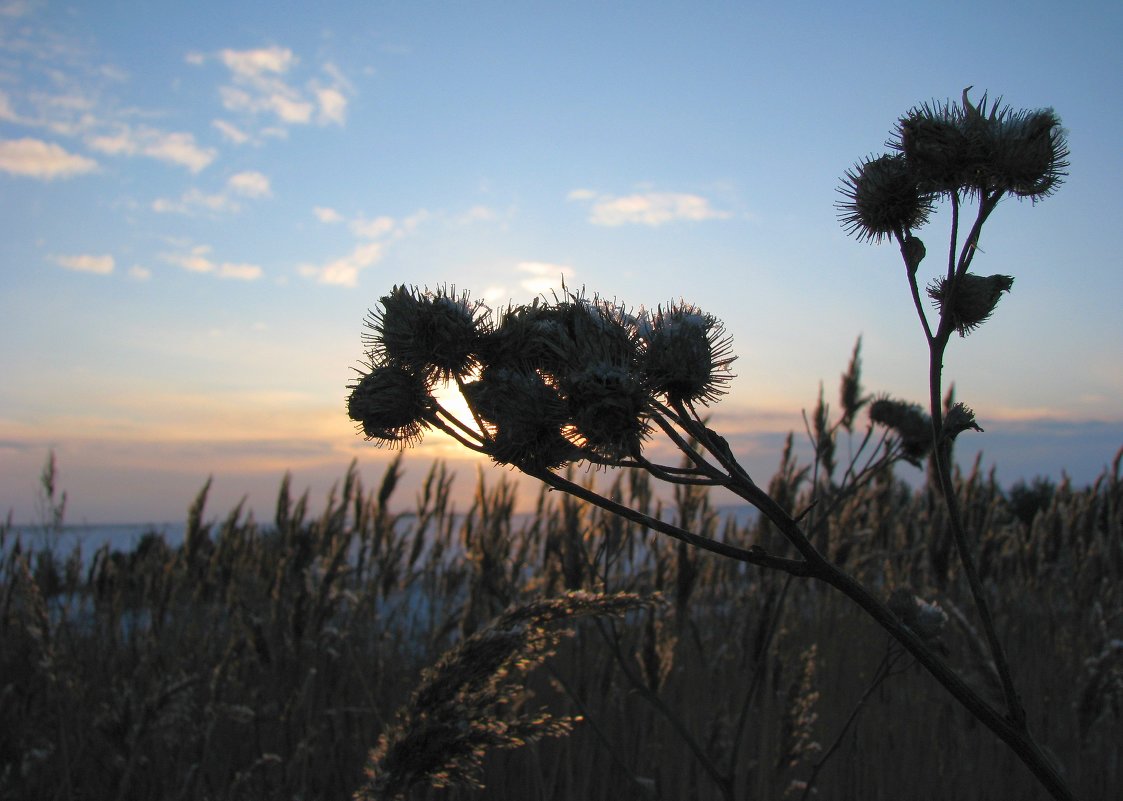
{"points": [[263, 661]]}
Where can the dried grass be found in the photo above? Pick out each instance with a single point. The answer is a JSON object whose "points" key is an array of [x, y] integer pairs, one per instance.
{"points": [[261, 661]]}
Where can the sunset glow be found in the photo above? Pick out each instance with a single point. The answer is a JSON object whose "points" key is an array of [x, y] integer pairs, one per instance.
{"points": [[200, 204]]}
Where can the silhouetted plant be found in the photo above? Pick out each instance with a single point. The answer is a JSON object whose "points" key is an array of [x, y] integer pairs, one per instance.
{"points": [[574, 379], [470, 700]]}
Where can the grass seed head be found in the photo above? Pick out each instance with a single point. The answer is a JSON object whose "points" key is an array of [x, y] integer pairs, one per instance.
{"points": [[908, 421]]}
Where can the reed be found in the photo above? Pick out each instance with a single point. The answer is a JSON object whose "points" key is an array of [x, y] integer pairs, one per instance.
{"points": [[249, 666]]}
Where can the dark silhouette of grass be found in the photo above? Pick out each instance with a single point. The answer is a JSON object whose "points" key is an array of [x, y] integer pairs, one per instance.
{"points": [[265, 661]]}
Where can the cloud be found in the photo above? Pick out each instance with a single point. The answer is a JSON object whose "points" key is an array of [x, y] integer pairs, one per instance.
{"points": [[327, 215], [249, 184], [373, 229], [543, 276], [253, 185], [196, 200], [476, 214], [197, 260], [173, 147], [86, 263], [38, 159], [333, 105], [376, 232], [345, 271], [255, 64], [231, 132], [259, 85], [139, 273], [647, 208]]}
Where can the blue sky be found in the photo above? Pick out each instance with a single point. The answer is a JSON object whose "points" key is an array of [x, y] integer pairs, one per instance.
{"points": [[200, 201]]}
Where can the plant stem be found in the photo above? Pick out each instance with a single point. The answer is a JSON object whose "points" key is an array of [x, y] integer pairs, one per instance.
{"points": [[941, 453]]}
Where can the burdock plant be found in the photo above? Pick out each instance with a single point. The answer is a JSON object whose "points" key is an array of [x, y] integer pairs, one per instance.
{"points": [[574, 379]]}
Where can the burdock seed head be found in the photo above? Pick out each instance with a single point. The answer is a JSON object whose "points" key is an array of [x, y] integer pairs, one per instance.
{"points": [[391, 405], [526, 416], [1030, 154], [935, 146], [882, 197], [432, 333], [983, 148], [554, 337], [925, 618], [686, 355], [608, 405], [958, 419], [969, 300], [1022, 153]]}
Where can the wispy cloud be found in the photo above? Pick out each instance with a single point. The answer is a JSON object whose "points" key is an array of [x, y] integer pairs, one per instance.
{"points": [[345, 271], [327, 215], [230, 132], [86, 263], [198, 260], [35, 158], [542, 276], [538, 277], [194, 200], [177, 148], [260, 85], [373, 229], [252, 185], [374, 234], [646, 208]]}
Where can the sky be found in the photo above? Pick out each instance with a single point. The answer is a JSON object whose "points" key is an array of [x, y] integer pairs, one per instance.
{"points": [[199, 202]]}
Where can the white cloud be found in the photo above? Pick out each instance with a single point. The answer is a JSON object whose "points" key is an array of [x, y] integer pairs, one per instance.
{"points": [[647, 208], [197, 260], [476, 214], [249, 184], [139, 273], [194, 200], [174, 147], [230, 132], [259, 84], [327, 215], [38, 159], [544, 276], [373, 229], [86, 263], [333, 106], [345, 271], [243, 272], [253, 64]]}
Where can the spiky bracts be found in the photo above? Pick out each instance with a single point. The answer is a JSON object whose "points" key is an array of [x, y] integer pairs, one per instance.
{"points": [[549, 383]]}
